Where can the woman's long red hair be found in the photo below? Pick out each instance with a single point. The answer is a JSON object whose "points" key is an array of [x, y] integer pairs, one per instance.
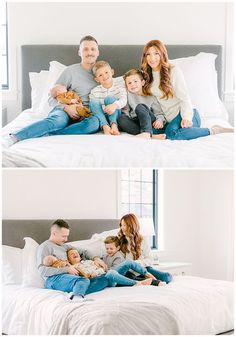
{"points": [[165, 67], [133, 233]]}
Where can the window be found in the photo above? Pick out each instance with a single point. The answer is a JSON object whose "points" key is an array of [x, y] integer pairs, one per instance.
{"points": [[139, 195], [5, 80]]}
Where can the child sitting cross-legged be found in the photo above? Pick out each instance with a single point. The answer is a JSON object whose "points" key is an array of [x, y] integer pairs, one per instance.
{"points": [[118, 267]]}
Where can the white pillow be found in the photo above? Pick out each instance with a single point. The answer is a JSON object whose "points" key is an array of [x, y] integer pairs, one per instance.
{"points": [[55, 70], [38, 82], [103, 235], [31, 276], [11, 265], [201, 79], [91, 247]]}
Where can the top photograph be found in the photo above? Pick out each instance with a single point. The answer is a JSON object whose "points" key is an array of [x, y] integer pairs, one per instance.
{"points": [[118, 85]]}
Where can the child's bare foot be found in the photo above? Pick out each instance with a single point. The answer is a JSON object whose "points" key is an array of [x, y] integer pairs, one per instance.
{"points": [[106, 129], [114, 129], [144, 135], [161, 136], [146, 282]]}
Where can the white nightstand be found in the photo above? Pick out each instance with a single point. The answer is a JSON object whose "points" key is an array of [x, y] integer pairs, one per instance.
{"points": [[175, 268]]}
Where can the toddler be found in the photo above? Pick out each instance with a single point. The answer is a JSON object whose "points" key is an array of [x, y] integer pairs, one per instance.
{"points": [[143, 112], [60, 93], [108, 98], [119, 267]]}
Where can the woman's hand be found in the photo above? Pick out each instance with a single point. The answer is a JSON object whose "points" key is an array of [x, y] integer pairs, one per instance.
{"points": [[99, 263], [157, 124], [186, 123], [71, 111]]}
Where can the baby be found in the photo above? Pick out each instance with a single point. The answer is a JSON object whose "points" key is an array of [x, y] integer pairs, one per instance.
{"points": [[52, 261], [60, 93]]}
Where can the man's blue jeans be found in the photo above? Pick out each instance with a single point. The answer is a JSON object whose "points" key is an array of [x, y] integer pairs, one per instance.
{"points": [[76, 284], [174, 131], [57, 123], [116, 276], [104, 119]]}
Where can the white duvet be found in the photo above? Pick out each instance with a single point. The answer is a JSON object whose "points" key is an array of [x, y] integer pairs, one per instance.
{"points": [[117, 151], [187, 306]]}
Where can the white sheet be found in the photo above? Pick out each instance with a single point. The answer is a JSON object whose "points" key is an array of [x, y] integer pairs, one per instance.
{"points": [[188, 305], [117, 151]]}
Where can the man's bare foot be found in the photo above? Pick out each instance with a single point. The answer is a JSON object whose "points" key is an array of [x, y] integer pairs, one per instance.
{"points": [[144, 135], [161, 136], [106, 129], [146, 282], [114, 129]]}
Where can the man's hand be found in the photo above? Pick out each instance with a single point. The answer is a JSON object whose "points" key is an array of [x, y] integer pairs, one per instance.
{"points": [[157, 124], [71, 111], [110, 108], [186, 123], [71, 270], [99, 263]]}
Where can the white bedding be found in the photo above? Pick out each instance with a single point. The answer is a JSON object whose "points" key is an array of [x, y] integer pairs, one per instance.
{"points": [[117, 151], [187, 306]]}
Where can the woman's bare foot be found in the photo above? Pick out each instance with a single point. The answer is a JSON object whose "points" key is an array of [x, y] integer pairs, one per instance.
{"points": [[161, 284], [144, 135], [106, 129], [114, 129], [146, 282], [161, 136]]}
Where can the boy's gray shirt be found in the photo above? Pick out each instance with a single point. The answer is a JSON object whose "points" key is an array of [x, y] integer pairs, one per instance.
{"points": [[113, 261], [78, 79], [150, 101], [59, 251]]}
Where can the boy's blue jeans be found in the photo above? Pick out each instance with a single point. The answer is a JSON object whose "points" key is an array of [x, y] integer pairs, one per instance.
{"points": [[76, 284], [58, 122], [116, 276], [104, 119]]}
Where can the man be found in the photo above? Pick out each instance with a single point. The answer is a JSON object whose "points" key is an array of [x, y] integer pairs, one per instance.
{"points": [[79, 78], [66, 278]]}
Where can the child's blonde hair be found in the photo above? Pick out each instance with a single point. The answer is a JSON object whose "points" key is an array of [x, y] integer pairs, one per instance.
{"points": [[141, 74], [112, 239], [98, 65]]}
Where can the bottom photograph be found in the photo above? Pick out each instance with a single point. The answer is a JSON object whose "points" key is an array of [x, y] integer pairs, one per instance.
{"points": [[117, 252]]}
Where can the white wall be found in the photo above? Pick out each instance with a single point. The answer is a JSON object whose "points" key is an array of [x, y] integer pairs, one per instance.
{"points": [[196, 206], [198, 220], [49, 194], [117, 23]]}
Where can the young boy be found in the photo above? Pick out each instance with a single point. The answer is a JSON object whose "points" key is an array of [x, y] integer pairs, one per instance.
{"points": [[108, 98], [116, 263]]}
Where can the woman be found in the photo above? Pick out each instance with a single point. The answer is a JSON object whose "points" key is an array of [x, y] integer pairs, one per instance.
{"points": [[166, 82], [135, 247]]}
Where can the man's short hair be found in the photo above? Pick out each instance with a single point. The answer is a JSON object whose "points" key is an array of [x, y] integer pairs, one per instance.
{"points": [[112, 239], [61, 224], [88, 38]]}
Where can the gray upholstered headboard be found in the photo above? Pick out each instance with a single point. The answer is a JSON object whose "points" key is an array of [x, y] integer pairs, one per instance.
{"points": [[35, 58], [13, 231]]}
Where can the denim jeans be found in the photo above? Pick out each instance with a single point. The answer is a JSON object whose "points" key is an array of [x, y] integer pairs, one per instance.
{"points": [[160, 275], [76, 284], [116, 276], [57, 119], [173, 129], [104, 118]]}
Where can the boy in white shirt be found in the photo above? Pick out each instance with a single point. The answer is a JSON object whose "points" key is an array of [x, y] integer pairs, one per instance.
{"points": [[108, 98]]}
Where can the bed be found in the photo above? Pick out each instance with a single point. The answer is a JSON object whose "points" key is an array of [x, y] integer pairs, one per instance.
{"points": [[187, 306], [42, 64]]}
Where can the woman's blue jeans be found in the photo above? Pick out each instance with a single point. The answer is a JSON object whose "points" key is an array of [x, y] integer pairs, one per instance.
{"points": [[97, 110], [160, 275], [116, 276], [76, 284], [58, 123], [174, 131]]}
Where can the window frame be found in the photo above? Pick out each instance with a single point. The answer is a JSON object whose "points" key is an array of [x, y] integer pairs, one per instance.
{"points": [[5, 86]]}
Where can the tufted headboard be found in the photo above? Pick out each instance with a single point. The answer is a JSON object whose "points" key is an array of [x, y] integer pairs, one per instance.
{"points": [[35, 58], [14, 231]]}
